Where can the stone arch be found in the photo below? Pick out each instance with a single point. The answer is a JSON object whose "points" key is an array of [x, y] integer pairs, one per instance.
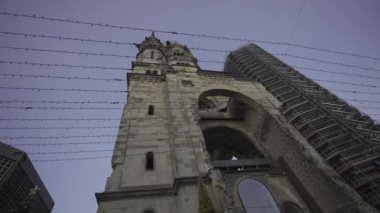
{"points": [[223, 129], [224, 143], [239, 96]]}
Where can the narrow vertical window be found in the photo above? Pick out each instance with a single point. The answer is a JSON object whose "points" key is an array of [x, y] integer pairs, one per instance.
{"points": [[151, 110], [151, 54], [149, 161]]}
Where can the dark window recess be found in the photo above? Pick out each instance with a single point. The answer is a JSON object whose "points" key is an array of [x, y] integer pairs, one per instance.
{"points": [[148, 72], [155, 72], [187, 83], [149, 161], [151, 54], [289, 207], [148, 211], [151, 110]]}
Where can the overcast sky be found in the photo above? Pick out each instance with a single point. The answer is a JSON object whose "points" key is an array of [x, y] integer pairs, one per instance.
{"points": [[349, 26]]}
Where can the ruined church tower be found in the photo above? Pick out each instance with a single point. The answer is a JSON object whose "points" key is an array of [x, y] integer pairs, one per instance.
{"points": [[251, 139]]}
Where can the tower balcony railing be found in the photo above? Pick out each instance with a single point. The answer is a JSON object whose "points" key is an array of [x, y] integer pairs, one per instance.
{"points": [[259, 164]]}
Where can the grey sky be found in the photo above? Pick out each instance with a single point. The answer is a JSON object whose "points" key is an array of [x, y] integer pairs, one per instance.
{"points": [[344, 25]]}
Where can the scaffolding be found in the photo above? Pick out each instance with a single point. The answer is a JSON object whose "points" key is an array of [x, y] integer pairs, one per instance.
{"points": [[344, 137]]}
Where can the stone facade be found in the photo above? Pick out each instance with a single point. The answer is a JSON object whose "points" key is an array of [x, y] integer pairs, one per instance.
{"points": [[182, 123]]}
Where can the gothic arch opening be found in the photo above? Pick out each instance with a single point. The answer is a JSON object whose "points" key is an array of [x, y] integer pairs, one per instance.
{"points": [[225, 122], [224, 143], [223, 104]]}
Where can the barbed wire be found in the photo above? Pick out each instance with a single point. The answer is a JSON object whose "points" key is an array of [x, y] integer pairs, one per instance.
{"points": [[71, 152], [60, 77], [205, 61], [63, 127], [106, 119], [60, 108], [119, 102], [65, 90], [60, 119], [78, 143], [65, 38], [62, 65], [26, 35], [122, 80], [27, 49], [194, 48], [335, 72], [63, 144], [126, 91], [71, 159], [57, 137], [66, 51], [331, 62], [194, 35], [61, 102], [86, 67]]}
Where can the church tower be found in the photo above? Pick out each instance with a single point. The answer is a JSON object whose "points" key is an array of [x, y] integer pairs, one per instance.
{"points": [[192, 140]]}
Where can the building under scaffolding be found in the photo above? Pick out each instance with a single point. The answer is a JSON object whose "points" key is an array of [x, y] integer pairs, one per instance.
{"points": [[345, 138], [259, 137]]}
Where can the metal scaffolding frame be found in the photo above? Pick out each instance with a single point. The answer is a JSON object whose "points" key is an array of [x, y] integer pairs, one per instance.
{"points": [[346, 139]]}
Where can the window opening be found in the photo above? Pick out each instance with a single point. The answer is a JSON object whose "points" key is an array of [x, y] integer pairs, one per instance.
{"points": [[151, 110], [148, 72], [151, 54], [149, 161], [255, 197], [155, 72]]}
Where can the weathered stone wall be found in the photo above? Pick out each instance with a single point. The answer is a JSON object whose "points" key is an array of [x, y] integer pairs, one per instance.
{"points": [[174, 134]]}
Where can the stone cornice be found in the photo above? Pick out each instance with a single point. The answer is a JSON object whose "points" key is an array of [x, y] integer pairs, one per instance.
{"points": [[141, 191]]}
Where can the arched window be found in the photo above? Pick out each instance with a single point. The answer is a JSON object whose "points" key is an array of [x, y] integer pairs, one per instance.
{"points": [[255, 197], [150, 110], [290, 207], [149, 161]]}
